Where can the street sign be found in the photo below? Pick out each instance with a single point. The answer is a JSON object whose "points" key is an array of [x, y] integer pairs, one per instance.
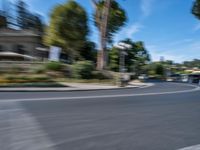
{"points": [[119, 47], [127, 46], [54, 53]]}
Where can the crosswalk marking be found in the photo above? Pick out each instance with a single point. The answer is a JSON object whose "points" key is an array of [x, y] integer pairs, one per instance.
{"points": [[20, 130]]}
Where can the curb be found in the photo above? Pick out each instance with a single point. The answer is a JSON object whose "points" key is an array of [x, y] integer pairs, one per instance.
{"points": [[61, 90], [38, 89]]}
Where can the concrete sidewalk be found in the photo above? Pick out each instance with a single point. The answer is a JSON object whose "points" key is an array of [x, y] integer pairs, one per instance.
{"points": [[74, 87]]}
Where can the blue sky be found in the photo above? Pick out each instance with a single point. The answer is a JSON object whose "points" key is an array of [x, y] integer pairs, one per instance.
{"points": [[166, 26]]}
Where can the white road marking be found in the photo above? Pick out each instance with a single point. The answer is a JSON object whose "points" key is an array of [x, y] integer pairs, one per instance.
{"points": [[195, 147], [20, 130], [147, 86], [197, 88]]}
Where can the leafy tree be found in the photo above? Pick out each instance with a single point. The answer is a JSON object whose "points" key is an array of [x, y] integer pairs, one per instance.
{"points": [[116, 18], [156, 69], [196, 8], [3, 21], [28, 20], [159, 70], [89, 52], [192, 64], [83, 69], [68, 28], [38, 24], [22, 14], [114, 55], [168, 62], [136, 58]]}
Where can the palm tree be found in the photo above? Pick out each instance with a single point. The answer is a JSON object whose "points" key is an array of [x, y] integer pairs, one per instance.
{"points": [[101, 18]]}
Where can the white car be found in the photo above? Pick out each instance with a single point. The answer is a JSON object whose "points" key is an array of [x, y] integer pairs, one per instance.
{"points": [[143, 77]]}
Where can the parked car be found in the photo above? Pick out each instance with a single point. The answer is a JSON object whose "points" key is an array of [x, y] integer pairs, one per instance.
{"points": [[194, 78], [143, 77], [174, 77], [184, 78]]}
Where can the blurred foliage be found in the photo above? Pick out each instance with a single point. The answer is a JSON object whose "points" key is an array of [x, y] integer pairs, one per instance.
{"points": [[89, 52], [26, 78], [196, 9], [83, 69], [53, 66], [3, 21], [136, 58], [39, 70], [192, 64], [159, 70], [117, 17], [102, 75], [28, 20], [68, 28], [16, 69], [155, 69]]}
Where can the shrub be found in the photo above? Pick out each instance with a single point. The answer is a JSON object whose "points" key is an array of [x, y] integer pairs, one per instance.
{"points": [[83, 69], [39, 70], [68, 71], [54, 66], [160, 70], [40, 78], [102, 75], [16, 69]]}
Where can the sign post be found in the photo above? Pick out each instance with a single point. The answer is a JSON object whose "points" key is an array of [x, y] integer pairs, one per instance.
{"points": [[123, 77], [54, 53]]}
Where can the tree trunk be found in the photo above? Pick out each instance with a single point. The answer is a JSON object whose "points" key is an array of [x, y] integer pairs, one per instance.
{"points": [[102, 58]]}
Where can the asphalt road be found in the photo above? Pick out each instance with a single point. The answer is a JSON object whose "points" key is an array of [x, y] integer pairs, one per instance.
{"points": [[163, 117]]}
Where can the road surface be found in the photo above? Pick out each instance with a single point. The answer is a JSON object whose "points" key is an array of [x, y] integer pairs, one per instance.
{"points": [[165, 116]]}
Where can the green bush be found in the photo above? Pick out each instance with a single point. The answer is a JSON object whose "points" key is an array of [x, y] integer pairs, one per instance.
{"points": [[26, 78], [83, 69], [68, 71], [102, 75], [40, 78], [16, 69], [39, 70], [10, 77], [160, 70], [54, 66]]}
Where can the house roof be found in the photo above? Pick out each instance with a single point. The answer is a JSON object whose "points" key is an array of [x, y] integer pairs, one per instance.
{"points": [[12, 54]]}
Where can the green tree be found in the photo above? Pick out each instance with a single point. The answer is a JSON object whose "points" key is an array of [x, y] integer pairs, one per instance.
{"points": [[156, 69], [114, 55], [108, 19], [28, 20], [192, 64], [117, 18], [159, 70], [83, 69], [196, 8], [38, 24], [68, 28], [137, 57], [22, 14], [3, 21], [89, 52]]}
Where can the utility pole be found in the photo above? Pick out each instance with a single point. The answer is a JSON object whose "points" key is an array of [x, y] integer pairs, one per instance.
{"points": [[123, 47], [103, 54]]}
